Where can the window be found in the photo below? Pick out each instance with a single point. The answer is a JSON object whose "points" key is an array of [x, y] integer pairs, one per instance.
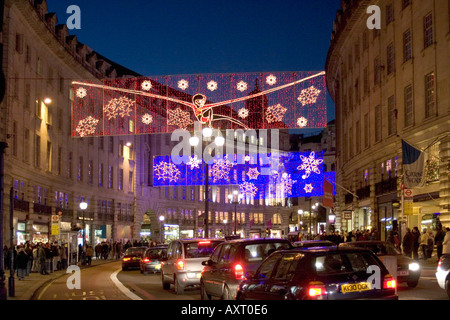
{"points": [[19, 43], [391, 116], [14, 139], [429, 95], [407, 49], [265, 271], [37, 151], [389, 14], [366, 130], [408, 102], [90, 172], [26, 146], [59, 163], [120, 180], [405, 3], [27, 103], [110, 177], [377, 123], [49, 156], [130, 182], [111, 144], [287, 266], [366, 81], [390, 59], [69, 166], [100, 175], [80, 169], [377, 71], [428, 30], [358, 137]]}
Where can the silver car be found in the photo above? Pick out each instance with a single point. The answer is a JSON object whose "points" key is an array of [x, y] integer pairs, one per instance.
{"points": [[183, 264], [443, 273]]}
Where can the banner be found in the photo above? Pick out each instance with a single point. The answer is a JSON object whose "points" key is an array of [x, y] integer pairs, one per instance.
{"points": [[328, 197], [413, 165]]}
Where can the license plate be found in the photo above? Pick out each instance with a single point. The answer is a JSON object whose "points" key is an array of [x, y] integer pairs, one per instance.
{"points": [[403, 273], [355, 287]]}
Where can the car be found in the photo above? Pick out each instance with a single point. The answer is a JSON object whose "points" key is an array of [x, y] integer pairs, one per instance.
{"points": [[132, 258], [151, 259], [321, 273], [231, 260], [408, 269], [443, 273], [314, 243], [183, 265]]}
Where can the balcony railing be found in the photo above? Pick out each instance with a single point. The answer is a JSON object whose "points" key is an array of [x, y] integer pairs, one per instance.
{"points": [[42, 208], [363, 193], [21, 205], [386, 186]]}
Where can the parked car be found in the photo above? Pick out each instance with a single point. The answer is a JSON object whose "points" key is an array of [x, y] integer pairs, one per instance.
{"points": [[408, 270], [231, 260], [313, 243], [443, 273], [331, 273], [132, 258], [151, 260], [183, 264]]}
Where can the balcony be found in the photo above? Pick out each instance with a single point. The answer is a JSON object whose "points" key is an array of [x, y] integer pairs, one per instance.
{"points": [[42, 209], [21, 205], [386, 186], [363, 193]]}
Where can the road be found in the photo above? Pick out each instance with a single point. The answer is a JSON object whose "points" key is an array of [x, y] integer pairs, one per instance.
{"points": [[109, 282]]}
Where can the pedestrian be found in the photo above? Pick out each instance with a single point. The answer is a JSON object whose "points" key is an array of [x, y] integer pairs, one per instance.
{"points": [[63, 256], [22, 262], [416, 243], [29, 252], [42, 259], [446, 243], [424, 244], [98, 251], [430, 245], [408, 243], [36, 266], [89, 254], [48, 258], [438, 239]]}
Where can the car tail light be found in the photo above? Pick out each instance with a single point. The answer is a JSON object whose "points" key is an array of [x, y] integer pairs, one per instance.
{"points": [[204, 242], [316, 290], [180, 265], [126, 259], [238, 271], [147, 260], [389, 282]]}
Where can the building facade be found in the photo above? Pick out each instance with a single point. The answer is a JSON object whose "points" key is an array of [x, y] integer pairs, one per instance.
{"points": [[388, 85], [47, 170]]}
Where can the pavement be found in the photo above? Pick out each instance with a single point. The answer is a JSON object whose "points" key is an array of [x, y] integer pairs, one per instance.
{"points": [[25, 289]]}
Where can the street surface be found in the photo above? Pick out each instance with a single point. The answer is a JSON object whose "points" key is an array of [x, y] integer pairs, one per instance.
{"points": [[109, 282]]}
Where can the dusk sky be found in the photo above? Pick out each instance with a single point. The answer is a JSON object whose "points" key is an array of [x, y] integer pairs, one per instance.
{"points": [[154, 37]]}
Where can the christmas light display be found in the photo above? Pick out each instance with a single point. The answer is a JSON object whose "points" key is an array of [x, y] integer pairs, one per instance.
{"points": [[288, 180], [221, 101], [87, 126]]}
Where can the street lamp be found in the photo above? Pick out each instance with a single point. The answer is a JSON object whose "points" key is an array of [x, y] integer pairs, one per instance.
{"points": [[300, 213], [235, 199], [83, 207], [161, 220]]}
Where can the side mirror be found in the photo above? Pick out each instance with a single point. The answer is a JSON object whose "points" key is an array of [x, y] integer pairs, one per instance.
{"points": [[207, 263], [249, 275]]}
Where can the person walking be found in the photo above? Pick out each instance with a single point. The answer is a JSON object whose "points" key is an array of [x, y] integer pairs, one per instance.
{"points": [[416, 243], [89, 254], [446, 243], [430, 244], [438, 240], [424, 244], [408, 243], [42, 259], [22, 262], [35, 267]]}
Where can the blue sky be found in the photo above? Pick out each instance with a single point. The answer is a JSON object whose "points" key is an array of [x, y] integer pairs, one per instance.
{"points": [[155, 37]]}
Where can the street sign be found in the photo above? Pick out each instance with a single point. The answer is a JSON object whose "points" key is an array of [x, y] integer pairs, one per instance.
{"points": [[347, 215], [408, 193], [408, 207]]}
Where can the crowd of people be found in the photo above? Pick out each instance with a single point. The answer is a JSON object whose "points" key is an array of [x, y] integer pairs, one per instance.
{"points": [[414, 244]]}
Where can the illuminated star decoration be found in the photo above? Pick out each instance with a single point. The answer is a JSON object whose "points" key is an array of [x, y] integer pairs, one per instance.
{"points": [[271, 80], [253, 173], [275, 113], [221, 169], [308, 188], [147, 118], [179, 118], [248, 189], [121, 106], [308, 96], [146, 85], [241, 86], [212, 85], [243, 113], [183, 84], [167, 171], [286, 183], [87, 126], [309, 164], [302, 122], [81, 93], [194, 162]]}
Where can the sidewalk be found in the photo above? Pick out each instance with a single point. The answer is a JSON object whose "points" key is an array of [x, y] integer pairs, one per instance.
{"points": [[25, 289]]}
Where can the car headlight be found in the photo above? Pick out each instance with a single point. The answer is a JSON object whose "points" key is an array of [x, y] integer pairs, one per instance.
{"points": [[414, 266]]}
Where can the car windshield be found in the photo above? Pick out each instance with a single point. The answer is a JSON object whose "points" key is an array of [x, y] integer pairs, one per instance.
{"points": [[259, 251], [156, 253], [344, 263], [135, 251], [380, 249], [200, 249]]}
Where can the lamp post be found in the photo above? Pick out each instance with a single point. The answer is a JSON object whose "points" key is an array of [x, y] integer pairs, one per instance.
{"points": [[235, 199], [83, 207], [194, 141], [3, 146], [161, 227], [299, 215]]}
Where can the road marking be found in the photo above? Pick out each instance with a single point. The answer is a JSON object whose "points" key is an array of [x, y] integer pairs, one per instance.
{"points": [[122, 288]]}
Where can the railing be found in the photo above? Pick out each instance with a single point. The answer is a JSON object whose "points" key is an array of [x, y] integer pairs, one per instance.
{"points": [[363, 193], [386, 186], [21, 205], [42, 209]]}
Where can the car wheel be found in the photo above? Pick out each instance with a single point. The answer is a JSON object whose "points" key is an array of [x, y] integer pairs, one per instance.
{"points": [[227, 294], [179, 288], [124, 268], [203, 294], [165, 285], [412, 284]]}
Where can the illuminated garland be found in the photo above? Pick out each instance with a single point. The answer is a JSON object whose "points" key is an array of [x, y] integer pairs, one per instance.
{"points": [[310, 164]]}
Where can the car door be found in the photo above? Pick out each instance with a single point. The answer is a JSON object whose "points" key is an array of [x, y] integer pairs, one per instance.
{"points": [[278, 286], [256, 288], [209, 275]]}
